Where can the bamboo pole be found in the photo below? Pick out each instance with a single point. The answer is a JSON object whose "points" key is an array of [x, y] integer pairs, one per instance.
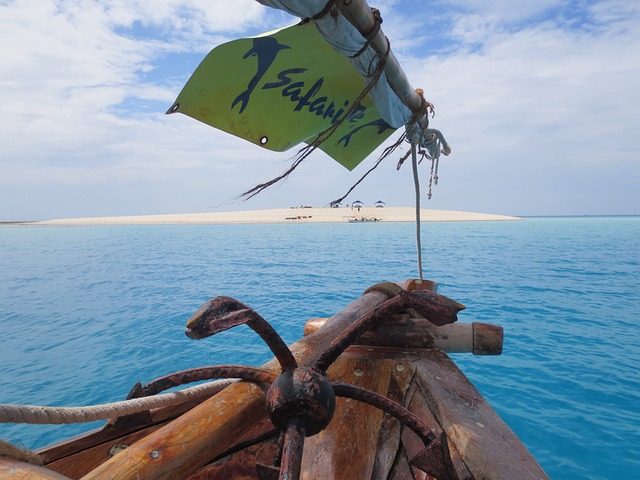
{"points": [[189, 442]]}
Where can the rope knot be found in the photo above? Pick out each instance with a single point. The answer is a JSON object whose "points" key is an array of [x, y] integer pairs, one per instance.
{"points": [[377, 19], [327, 8]]}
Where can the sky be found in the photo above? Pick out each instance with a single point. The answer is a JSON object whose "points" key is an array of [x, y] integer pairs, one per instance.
{"points": [[540, 102]]}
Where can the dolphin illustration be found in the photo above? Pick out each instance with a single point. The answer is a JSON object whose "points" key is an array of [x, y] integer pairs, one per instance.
{"points": [[380, 124], [266, 49]]}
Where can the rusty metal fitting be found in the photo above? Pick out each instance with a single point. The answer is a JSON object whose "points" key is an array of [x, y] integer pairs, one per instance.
{"points": [[303, 396]]}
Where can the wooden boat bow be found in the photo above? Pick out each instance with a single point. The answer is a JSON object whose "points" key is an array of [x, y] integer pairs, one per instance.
{"points": [[230, 435]]}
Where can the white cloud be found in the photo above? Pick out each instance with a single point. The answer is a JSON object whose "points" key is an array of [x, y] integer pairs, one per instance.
{"points": [[66, 66], [537, 99], [505, 10], [539, 108]]}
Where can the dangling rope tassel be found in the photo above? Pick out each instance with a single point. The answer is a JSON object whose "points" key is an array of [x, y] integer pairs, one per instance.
{"points": [[416, 182], [431, 177]]}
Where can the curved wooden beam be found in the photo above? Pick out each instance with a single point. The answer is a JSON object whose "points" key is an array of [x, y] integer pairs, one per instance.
{"points": [[189, 442]]}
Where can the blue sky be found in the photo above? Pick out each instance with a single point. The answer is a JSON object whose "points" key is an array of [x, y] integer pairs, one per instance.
{"points": [[539, 100]]}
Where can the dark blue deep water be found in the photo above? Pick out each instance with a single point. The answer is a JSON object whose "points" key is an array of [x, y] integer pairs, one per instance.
{"points": [[85, 312]]}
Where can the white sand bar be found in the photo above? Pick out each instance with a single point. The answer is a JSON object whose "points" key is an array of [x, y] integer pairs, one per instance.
{"points": [[287, 215]]}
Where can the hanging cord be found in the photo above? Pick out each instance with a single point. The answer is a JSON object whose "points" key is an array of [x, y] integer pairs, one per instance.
{"points": [[387, 151], [415, 135], [61, 415], [323, 136], [423, 111], [416, 183]]}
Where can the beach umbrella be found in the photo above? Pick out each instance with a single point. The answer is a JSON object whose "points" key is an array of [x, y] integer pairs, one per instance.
{"points": [[357, 203], [380, 203]]}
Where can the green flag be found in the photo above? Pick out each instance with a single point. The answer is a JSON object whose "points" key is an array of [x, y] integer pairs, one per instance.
{"points": [[283, 88]]}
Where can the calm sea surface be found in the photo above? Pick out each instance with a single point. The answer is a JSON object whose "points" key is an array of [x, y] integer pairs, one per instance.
{"points": [[85, 312]]}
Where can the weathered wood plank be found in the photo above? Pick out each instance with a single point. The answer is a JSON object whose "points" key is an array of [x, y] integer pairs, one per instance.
{"points": [[402, 470], [389, 438], [241, 465], [81, 463], [488, 446], [346, 449], [413, 445]]}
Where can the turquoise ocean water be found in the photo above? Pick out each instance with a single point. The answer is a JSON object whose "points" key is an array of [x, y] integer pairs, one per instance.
{"points": [[85, 312]]}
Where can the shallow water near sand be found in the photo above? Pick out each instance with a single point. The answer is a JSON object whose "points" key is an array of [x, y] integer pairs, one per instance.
{"points": [[85, 312]]}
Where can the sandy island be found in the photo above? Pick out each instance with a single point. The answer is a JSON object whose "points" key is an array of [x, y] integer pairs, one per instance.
{"points": [[286, 215]]}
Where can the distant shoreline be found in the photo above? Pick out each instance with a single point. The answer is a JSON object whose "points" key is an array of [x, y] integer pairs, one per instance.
{"points": [[281, 215]]}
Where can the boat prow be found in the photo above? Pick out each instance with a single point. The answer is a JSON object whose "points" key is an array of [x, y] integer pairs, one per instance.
{"points": [[403, 409]]}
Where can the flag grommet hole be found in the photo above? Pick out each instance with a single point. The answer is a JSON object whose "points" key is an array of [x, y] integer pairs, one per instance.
{"points": [[264, 140]]}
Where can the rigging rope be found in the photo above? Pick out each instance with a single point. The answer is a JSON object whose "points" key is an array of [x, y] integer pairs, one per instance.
{"points": [[371, 35], [43, 415], [416, 183]]}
